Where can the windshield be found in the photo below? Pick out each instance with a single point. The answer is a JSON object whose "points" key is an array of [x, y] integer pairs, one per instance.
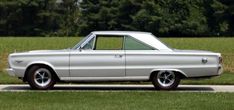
{"points": [[84, 39]]}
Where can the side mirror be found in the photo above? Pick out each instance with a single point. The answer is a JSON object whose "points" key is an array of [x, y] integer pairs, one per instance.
{"points": [[80, 49]]}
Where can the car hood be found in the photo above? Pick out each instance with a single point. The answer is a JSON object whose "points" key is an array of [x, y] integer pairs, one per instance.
{"points": [[42, 52], [46, 51]]}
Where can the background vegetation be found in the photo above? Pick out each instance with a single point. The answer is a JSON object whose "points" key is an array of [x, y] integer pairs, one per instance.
{"points": [[79, 17]]}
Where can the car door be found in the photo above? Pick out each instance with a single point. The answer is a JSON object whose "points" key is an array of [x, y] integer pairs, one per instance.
{"points": [[102, 56], [140, 57]]}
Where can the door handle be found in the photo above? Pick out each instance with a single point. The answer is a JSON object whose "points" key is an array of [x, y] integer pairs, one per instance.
{"points": [[118, 56]]}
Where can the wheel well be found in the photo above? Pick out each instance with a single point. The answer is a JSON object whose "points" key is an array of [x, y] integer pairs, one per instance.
{"points": [[41, 65], [155, 72]]}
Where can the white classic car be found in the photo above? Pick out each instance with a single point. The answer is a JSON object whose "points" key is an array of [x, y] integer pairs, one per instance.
{"points": [[114, 56]]}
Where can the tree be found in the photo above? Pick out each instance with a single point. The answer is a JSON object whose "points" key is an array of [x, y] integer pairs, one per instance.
{"points": [[70, 16], [226, 16], [38, 17], [164, 18], [80, 17], [107, 15]]}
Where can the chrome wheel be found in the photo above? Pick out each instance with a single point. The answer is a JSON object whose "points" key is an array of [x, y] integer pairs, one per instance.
{"points": [[166, 78], [42, 77]]}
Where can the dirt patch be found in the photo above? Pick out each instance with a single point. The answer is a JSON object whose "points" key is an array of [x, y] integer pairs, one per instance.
{"points": [[3, 61], [228, 62]]}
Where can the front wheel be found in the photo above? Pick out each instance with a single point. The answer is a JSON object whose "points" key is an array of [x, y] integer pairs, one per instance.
{"points": [[166, 80], [40, 78]]}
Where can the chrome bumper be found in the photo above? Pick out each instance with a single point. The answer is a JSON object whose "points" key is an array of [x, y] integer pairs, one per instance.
{"points": [[10, 71]]}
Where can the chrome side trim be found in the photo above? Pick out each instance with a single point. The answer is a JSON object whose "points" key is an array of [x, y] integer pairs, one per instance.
{"points": [[132, 78]]}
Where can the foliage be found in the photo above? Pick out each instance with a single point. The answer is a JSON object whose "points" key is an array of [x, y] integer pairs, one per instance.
{"points": [[80, 17], [163, 17], [37, 17]]}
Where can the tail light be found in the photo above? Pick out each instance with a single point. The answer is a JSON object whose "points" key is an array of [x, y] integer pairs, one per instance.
{"points": [[220, 60]]}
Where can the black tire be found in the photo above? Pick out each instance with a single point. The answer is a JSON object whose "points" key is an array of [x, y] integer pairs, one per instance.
{"points": [[158, 80], [35, 73]]}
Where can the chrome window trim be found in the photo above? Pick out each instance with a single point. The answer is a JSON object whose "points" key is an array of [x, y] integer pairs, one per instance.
{"points": [[138, 42], [123, 36], [86, 41]]}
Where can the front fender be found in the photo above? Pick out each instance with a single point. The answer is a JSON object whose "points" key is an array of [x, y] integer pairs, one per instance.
{"points": [[40, 62]]}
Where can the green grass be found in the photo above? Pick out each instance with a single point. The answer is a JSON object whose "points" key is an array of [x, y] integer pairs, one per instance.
{"points": [[6, 79], [223, 45], [115, 101]]}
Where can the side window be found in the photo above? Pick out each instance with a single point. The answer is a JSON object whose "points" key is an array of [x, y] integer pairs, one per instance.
{"points": [[109, 42], [133, 44], [89, 45]]}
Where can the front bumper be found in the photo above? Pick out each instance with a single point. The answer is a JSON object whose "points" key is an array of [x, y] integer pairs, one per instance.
{"points": [[11, 71]]}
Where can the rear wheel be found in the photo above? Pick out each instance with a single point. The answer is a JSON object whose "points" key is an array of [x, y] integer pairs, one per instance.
{"points": [[41, 78], [166, 80]]}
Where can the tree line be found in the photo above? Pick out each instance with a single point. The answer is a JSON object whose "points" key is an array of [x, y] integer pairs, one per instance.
{"points": [[80, 17]]}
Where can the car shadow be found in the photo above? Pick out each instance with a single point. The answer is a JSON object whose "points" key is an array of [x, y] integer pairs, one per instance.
{"points": [[109, 88], [199, 89]]}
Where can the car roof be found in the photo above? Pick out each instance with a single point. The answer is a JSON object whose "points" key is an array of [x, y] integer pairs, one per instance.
{"points": [[119, 32], [145, 37]]}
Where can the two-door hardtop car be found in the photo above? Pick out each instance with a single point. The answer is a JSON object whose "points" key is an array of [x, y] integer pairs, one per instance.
{"points": [[114, 56]]}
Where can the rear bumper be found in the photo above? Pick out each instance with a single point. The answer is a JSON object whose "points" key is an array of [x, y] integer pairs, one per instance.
{"points": [[220, 70], [11, 71]]}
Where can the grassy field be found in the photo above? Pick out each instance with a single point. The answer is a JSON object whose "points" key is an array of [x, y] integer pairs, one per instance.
{"points": [[223, 45], [116, 101]]}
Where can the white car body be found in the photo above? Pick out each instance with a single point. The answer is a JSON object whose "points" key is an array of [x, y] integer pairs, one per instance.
{"points": [[118, 65]]}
